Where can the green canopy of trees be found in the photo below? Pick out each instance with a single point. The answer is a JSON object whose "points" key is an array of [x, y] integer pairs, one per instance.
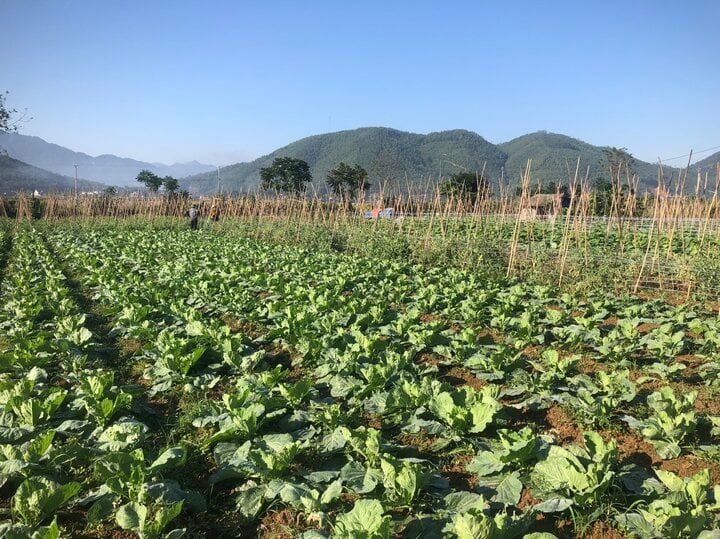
{"points": [[286, 174], [347, 180], [469, 186]]}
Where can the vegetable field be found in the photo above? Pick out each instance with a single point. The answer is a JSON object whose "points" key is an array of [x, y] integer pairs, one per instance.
{"points": [[157, 382]]}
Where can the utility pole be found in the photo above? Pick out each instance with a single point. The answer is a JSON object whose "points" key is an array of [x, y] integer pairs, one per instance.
{"points": [[218, 174], [75, 180]]}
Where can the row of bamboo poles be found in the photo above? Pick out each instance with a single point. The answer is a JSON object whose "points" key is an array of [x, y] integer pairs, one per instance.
{"points": [[665, 218]]}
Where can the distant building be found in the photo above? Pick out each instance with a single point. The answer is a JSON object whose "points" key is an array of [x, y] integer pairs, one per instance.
{"points": [[542, 206]]}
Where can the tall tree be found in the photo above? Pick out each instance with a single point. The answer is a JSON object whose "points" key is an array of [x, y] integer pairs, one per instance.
{"points": [[170, 185], [150, 180], [347, 180], [468, 186], [286, 174], [8, 123]]}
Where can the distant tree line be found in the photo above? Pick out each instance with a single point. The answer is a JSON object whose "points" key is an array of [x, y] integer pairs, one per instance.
{"points": [[291, 175], [153, 183]]}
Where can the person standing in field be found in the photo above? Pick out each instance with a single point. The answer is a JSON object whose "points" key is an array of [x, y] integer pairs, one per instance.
{"points": [[214, 214], [193, 213]]}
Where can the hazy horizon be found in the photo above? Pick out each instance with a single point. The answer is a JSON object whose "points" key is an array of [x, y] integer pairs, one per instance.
{"points": [[230, 82]]}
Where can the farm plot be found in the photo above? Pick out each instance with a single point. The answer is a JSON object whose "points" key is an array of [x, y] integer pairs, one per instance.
{"points": [[160, 383]]}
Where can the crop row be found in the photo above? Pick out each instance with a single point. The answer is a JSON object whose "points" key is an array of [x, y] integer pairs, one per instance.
{"points": [[361, 397]]}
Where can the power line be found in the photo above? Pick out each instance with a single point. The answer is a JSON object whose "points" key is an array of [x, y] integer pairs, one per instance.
{"points": [[688, 154]]}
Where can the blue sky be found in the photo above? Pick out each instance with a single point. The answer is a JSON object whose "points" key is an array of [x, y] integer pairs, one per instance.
{"points": [[228, 81]]}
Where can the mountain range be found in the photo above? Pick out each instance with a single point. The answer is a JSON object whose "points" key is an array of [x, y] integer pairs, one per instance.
{"points": [[393, 158], [108, 169], [18, 176], [399, 159]]}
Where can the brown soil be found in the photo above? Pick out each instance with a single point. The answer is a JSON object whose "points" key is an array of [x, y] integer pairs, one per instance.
{"points": [[456, 474], [550, 523], [458, 376], [590, 366], [372, 421], [284, 524], [428, 318], [647, 327], [563, 426], [532, 351], [707, 403], [488, 336], [349, 498], [429, 358], [668, 296], [610, 321], [129, 347], [692, 366], [296, 373], [236, 325], [527, 499], [279, 525], [603, 530], [422, 441], [689, 465], [633, 448]]}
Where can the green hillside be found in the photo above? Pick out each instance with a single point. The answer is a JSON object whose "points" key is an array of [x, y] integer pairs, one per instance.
{"points": [[18, 176], [554, 158], [394, 157], [708, 164]]}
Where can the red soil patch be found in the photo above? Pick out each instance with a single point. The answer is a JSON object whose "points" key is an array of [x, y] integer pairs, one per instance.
{"points": [[373, 421], [647, 327], [610, 321], [422, 441], [707, 403], [282, 524], [563, 426], [457, 475], [689, 465], [590, 366], [458, 376], [459, 479], [251, 329], [429, 358], [692, 365], [488, 336], [349, 498], [527, 499], [603, 530], [633, 448]]}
